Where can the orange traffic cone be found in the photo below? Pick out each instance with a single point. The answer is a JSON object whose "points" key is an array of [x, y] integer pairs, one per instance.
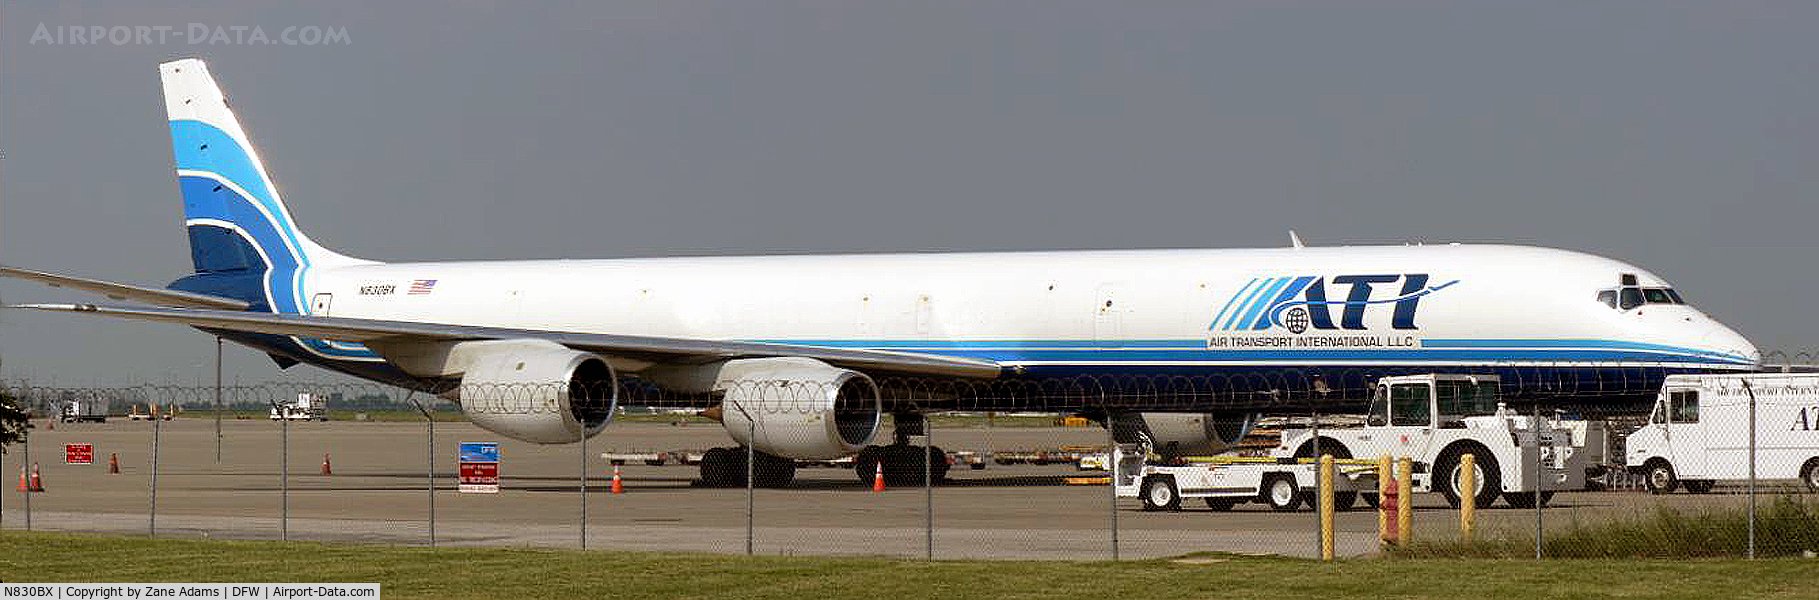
{"points": [[37, 482], [878, 479], [24, 483], [326, 470], [618, 486], [113, 463]]}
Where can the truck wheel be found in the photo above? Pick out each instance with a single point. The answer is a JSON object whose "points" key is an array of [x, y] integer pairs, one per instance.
{"points": [[1660, 477], [1159, 494], [1700, 486], [1281, 493], [1810, 474], [1526, 499], [1221, 504], [1489, 478]]}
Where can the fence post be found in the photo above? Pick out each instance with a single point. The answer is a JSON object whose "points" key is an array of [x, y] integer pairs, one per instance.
{"points": [[1326, 507], [284, 470], [1536, 430], [1468, 501], [1404, 500], [751, 498], [928, 485], [27, 461], [217, 400], [583, 445], [1112, 456], [152, 516], [1751, 548]]}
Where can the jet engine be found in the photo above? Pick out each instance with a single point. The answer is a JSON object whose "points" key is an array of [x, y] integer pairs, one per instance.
{"points": [[798, 407], [547, 395]]}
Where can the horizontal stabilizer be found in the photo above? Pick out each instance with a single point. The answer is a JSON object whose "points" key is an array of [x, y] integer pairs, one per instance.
{"points": [[121, 291]]}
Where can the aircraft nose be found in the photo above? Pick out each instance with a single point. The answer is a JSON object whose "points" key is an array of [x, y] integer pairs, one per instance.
{"points": [[1724, 340]]}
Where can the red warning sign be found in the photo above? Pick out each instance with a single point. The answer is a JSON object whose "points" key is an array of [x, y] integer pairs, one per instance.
{"points": [[479, 463], [78, 454]]}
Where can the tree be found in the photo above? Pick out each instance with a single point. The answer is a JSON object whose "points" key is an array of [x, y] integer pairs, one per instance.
{"points": [[12, 420]]}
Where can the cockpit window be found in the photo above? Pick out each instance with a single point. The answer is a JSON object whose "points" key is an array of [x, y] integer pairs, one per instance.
{"points": [[1630, 298]]}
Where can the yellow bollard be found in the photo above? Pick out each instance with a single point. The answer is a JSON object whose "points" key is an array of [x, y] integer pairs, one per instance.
{"points": [[1404, 500], [1468, 497], [1386, 499], [1326, 507]]}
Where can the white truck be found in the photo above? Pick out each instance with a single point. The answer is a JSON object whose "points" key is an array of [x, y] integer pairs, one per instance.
{"points": [[1225, 482], [307, 407], [77, 410], [1698, 432], [1434, 419]]}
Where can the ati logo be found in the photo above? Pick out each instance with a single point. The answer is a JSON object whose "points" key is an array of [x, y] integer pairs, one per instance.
{"points": [[1299, 303]]}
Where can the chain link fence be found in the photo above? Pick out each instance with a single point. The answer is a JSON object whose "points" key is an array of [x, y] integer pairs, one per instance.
{"points": [[915, 467]]}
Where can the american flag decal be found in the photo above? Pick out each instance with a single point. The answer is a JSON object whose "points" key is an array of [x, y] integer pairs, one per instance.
{"points": [[422, 286]]}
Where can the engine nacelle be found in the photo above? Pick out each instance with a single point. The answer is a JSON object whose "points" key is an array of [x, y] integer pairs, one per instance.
{"points": [[543, 393], [1186, 434], [798, 407]]}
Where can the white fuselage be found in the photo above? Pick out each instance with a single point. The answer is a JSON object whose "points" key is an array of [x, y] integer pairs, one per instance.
{"points": [[1510, 305]]}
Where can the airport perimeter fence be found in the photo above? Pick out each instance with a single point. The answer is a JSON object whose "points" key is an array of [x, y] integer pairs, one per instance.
{"points": [[668, 472]]}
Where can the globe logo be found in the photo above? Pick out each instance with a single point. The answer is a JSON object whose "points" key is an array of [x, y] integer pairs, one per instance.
{"points": [[1296, 320]]}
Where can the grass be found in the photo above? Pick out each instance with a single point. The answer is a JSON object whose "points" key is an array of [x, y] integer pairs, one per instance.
{"points": [[507, 573], [1786, 526]]}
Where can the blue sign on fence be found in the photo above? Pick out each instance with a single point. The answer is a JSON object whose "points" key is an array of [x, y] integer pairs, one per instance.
{"points": [[480, 452]]}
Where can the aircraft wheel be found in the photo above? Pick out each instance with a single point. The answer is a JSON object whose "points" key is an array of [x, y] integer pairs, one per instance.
{"points": [[866, 464], [723, 467]]}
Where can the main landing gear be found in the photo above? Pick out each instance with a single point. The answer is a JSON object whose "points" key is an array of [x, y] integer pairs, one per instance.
{"points": [[725, 467], [905, 465]]}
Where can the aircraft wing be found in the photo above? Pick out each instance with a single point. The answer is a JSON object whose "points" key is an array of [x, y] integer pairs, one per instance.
{"points": [[632, 346], [121, 291]]}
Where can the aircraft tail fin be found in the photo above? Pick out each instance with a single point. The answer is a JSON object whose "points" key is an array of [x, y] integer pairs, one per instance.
{"points": [[235, 216]]}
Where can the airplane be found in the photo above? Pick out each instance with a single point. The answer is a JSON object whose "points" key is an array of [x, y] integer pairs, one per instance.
{"points": [[800, 356]]}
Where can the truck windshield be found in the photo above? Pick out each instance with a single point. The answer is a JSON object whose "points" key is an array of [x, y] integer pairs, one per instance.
{"points": [[1459, 399], [1380, 408]]}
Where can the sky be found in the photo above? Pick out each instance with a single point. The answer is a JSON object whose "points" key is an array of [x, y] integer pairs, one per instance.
{"points": [[1678, 136]]}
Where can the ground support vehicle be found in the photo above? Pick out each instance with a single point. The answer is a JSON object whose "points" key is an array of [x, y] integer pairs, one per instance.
{"points": [[306, 407], [136, 414], [1434, 419], [1698, 433], [1225, 482], [91, 410]]}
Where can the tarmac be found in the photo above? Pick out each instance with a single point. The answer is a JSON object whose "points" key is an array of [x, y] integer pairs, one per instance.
{"points": [[378, 493]]}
